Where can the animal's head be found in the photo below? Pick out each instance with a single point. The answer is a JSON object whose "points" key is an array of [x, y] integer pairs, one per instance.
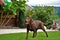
{"points": [[28, 20]]}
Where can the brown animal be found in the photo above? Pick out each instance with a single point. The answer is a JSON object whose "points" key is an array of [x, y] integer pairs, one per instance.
{"points": [[34, 25]]}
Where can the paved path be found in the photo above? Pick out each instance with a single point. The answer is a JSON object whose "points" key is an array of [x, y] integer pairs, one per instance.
{"points": [[7, 31]]}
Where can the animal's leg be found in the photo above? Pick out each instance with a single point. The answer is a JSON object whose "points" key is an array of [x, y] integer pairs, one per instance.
{"points": [[34, 33], [45, 31], [27, 34]]}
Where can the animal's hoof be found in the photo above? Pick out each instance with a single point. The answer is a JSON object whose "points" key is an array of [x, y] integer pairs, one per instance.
{"points": [[26, 39], [46, 36], [33, 36]]}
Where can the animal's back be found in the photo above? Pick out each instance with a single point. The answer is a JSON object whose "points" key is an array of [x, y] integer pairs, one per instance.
{"points": [[36, 23]]}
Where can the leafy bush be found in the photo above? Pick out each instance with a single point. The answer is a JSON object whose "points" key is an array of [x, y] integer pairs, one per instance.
{"points": [[45, 14]]}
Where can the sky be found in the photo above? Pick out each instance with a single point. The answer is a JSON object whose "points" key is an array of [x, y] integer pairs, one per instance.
{"points": [[44, 2]]}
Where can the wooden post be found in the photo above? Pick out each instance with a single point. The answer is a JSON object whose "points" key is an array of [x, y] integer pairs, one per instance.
{"points": [[1, 17], [5, 19]]}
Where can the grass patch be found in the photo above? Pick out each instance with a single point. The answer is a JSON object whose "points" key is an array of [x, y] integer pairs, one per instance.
{"points": [[22, 36]]}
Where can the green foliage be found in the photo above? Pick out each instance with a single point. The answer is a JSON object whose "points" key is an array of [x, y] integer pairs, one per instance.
{"points": [[46, 14], [20, 7], [15, 6]]}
